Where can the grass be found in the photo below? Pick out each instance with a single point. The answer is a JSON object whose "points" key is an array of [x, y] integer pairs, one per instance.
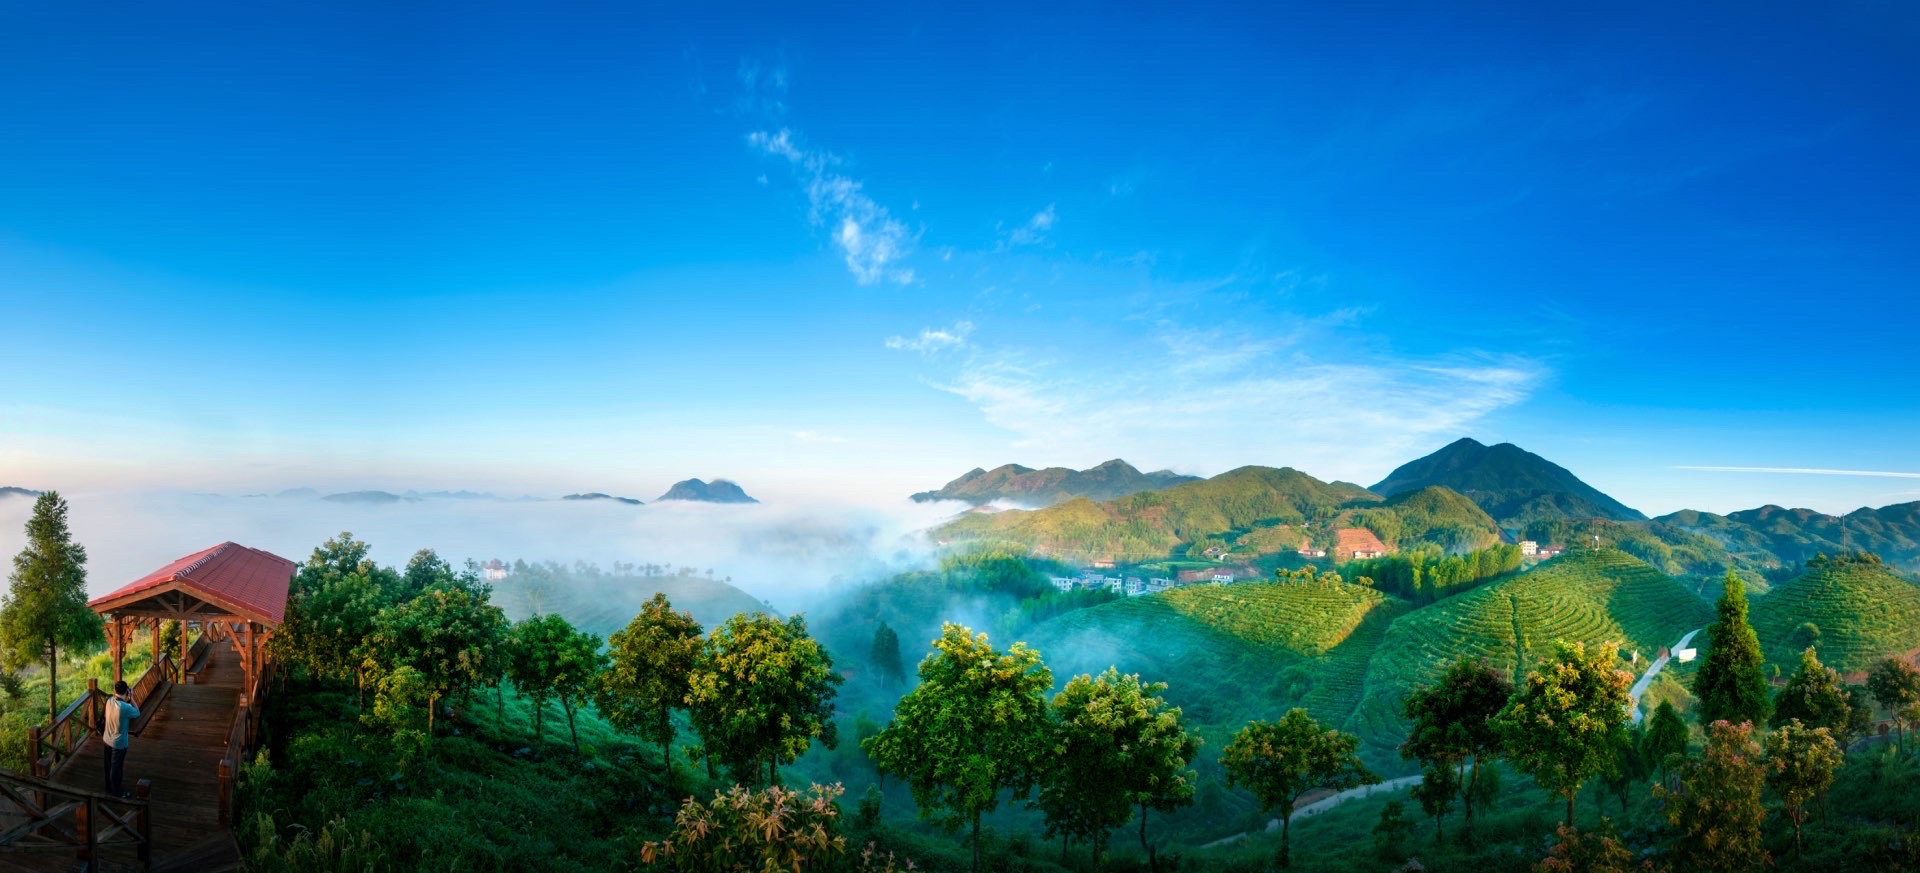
{"points": [[1864, 614]]}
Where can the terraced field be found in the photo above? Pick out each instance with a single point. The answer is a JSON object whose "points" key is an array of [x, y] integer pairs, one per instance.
{"points": [[1589, 597], [1864, 614], [1306, 618]]}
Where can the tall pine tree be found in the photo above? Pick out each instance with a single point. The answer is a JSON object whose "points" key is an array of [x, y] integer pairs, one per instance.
{"points": [[1730, 684], [46, 608]]}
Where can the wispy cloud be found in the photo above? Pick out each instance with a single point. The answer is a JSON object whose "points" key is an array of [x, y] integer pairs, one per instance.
{"points": [[814, 436], [1215, 400], [762, 91], [933, 339], [1034, 231], [1801, 471], [871, 240]]}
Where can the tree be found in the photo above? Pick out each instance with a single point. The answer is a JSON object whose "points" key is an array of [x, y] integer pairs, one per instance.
{"points": [[450, 636], [1813, 696], [328, 622], [1281, 760], [1801, 761], [761, 691], [1116, 746], [646, 679], [1590, 852], [772, 829], [1439, 785], [1732, 684], [426, 569], [1453, 723], [975, 726], [1896, 685], [885, 655], [1717, 806], [46, 609], [1390, 832], [1667, 737], [1631, 766], [579, 664], [1562, 726], [548, 658]]}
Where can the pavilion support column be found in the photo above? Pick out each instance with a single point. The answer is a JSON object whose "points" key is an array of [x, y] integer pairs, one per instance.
{"points": [[183, 650], [252, 656], [154, 636], [119, 644]]}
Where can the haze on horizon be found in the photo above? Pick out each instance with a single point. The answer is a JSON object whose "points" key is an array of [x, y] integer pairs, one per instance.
{"points": [[527, 252]]}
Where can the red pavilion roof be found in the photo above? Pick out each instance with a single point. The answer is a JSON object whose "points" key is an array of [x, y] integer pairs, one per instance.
{"points": [[249, 582]]}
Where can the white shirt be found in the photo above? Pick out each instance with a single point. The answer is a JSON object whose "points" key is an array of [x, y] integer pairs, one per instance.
{"points": [[120, 714]]}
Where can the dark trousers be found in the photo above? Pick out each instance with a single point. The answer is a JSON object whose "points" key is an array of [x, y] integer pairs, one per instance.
{"points": [[116, 770]]}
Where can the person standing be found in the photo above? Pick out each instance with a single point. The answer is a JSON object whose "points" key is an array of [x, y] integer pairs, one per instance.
{"points": [[113, 737]]}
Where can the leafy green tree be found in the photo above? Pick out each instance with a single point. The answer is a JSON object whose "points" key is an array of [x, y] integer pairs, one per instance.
{"points": [[579, 663], [1390, 832], [885, 655], [740, 830], [1436, 791], [1562, 726], [45, 609], [1117, 745], [1281, 760], [760, 693], [1732, 682], [426, 569], [1667, 737], [1813, 696], [1717, 808], [451, 637], [975, 726], [646, 679], [1631, 766], [1859, 717], [329, 621], [1453, 723], [533, 655], [1801, 762], [396, 710], [1895, 683]]}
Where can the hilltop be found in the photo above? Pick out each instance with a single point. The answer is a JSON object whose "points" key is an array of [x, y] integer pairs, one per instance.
{"points": [[1149, 525], [1860, 613], [1512, 484], [1797, 535], [1045, 487], [15, 491], [717, 491], [597, 495]]}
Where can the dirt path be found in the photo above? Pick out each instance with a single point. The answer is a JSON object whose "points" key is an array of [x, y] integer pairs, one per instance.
{"points": [[1646, 679]]}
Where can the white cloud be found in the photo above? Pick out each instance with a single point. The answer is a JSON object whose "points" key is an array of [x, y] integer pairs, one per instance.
{"points": [[813, 436], [1035, 230], [1802, 471], [933, 339], [1215, 400], [871, 240]]}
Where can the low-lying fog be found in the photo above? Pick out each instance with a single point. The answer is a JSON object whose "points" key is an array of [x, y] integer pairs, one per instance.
{"points": [[786, 554]]}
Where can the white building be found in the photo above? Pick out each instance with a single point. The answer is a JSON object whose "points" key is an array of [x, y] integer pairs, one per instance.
{"points": [[1311, 552], [493, 571], [1223, 578], [1686, 655], [1529, 548], [1158, 584], [1063, 583]]}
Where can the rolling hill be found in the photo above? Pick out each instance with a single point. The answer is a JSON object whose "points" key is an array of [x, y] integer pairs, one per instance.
{"points": [[602, 603], [16, 491], [1863, 612], [1792, 536], [717, 491], [1512, 484], [598, 495], [1045, 487], [1150, 524]]}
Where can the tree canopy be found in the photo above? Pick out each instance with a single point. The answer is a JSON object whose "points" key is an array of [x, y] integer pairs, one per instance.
{"points": [[761, 691], [1563, 725], [646, 678], [45, 609], [1731, 685], [1117, 745], [1281, 760]]}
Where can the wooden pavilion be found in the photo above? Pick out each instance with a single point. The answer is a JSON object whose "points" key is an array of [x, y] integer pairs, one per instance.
{"points": [[228, 590]]}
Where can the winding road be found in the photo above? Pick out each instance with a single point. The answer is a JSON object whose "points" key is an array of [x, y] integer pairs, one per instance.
{"points": [[1331, 801]]}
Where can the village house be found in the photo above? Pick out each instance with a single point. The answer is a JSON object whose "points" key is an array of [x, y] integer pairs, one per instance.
{"points": [[1551, 552], [1357, 542], [1311, 552], [1158, 584], [1529, 548], [1223, 578], [1135, 587], [493, 570], [1063, 583]]}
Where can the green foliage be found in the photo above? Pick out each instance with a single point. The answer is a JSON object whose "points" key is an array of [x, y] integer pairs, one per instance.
{"points": [[884, 656], [1864, 613], [1562, 726], [1116, 745], [1307, 618], [398, 710], [976, 725], [646, 679], [1424, 576], [45, 609], [1281, 760], [1801, 762], [1814, 697], [761, 691], [1895, 683], [1730, 684], [1438, 788], [451, 636], [1666, 740], [743, 830], [1717, 808], [335, 848], [546, 656], [1390, 833], [1452, 722], [1589, 852]]}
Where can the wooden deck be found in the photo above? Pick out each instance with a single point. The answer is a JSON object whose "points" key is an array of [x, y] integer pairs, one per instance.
{"points": [[179, 749]]}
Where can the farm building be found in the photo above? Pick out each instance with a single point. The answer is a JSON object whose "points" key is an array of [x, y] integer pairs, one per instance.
{"points": [[1311, 552], [1357, 542], [1529, 548], [493, 570]]}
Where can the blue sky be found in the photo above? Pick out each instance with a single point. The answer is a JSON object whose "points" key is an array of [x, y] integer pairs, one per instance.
{"points": [[250, 246]]}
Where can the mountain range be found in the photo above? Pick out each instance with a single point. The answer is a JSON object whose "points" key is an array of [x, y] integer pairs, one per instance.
{"points": [[1513, 485], [1030, 487], [15, 491], [596, 495], [717, 491]]}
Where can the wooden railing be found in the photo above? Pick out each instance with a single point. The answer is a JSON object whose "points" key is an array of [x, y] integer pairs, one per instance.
{"points": [[52, 744], [242, 736], [37, 816]]}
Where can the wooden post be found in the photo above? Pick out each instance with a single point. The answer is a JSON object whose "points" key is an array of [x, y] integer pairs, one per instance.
{"points": [[226, 792], [33, 748], [154, 636], [83, 823], [119, 645], [253, 655], [94, 720], [183, 650]]}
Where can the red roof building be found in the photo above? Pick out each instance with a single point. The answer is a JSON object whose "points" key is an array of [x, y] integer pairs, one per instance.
{"points": [[228, 579]]}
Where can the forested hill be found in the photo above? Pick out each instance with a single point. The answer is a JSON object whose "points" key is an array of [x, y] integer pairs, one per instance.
{"points": [[1512, 484], [1794, 536], [1150, 524], [1045, 487], [15, 491], [717, 491], [1851, 609]]}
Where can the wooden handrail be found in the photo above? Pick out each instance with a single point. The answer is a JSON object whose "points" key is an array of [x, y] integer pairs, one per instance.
{"points": [[38, 815]]}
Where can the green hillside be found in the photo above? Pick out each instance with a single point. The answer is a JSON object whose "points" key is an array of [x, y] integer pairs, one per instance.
{"points": [[1233, 652], [1792, 536], [1433, 514], [1863, 612], [1590, 596], [1115, 478], [1149, 525], [1513, 485], [602, 603]]}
